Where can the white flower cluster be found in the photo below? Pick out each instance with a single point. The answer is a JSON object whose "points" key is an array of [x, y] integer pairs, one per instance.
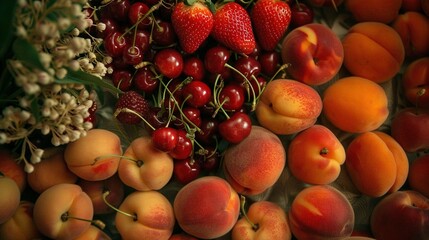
{"points": [[58, 32]]}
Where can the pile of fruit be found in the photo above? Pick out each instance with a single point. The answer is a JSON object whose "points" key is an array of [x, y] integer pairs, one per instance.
{"points": [[199, 119]]}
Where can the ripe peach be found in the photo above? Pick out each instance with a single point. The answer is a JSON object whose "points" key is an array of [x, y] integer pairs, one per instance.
{"points": [[418, 176], [182, 236], [287, 106], [314, 53], [416, 82], [152, 216], [369, 152], [315, 155], [93, 233], [425, 7], [94, 156], [411, 5], [373, 50], [312, 216], [265, 220], [259, 156], [57, 207], [10, 196], [401, 215], [49, 172], [354, 104], [144, 167], [21, 225], [10, 168], [384, 11], [413, 28], [207, 207]]}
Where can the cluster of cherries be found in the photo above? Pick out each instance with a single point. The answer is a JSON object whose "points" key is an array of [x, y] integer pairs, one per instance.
{"points": [[197, 102]]}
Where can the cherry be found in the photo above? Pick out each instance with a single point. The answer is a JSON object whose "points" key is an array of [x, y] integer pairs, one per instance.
{"points": [[114, 44], [208, 131], [140, 38], [92, 118], [301, 14], [137, 12], [194, 67], [165, 139], [169, 62], [184, 146], [163, 34], [270, 62], [215, 59], [111, 26], [186, 170], [236, 128], [132, 55], [258, 85], [248, 66], [119, 9], [145, 80], [193, 114], [231, 97], [122, 79], [156, 118], [209, 161], [197, 93]]}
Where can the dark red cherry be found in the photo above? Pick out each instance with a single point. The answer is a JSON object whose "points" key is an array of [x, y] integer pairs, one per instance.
{"points": [[169, 62], [115, 44], [232, 96], [194, 67], [248, 66], [215, 59], [141, 40], [301, 14], [136, 15], [163, 34], [111, 26], [186, 170], [193, 114], [197, 93], [132, 55], [236, 128], [165, 139], [207, 135], [122, 79], [145, 80], [184, 146], [209, 161], [270, 62], [119, 9]]}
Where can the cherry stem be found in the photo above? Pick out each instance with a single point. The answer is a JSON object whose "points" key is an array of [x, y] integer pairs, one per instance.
{"points": [[243, 211], [247, 84], [280, 69], [127, 110], [105, 194], [335, 5], [98, 223], [149, 12], [420, 93], [324, 151]]}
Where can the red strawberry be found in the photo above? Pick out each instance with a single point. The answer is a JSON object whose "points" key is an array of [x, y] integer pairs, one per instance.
{"points": [[233, 28], [135, 102], [192, 24], [270, 19]]}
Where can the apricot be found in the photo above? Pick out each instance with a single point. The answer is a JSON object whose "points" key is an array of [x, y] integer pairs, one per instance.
{"points": [[413, 28], [418, 176], [321, 212], [416, 82], [369, 152], [207, 207], [384, 11], [373, 50], [355, 104]]}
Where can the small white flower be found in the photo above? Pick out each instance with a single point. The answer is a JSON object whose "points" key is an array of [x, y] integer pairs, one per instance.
{"points": [[28, 168]]}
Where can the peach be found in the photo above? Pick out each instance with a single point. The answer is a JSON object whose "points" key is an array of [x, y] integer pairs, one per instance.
{"points": [[373, 50], [326, 3], [315, 155], [259, 156], [10, 168], [418, 176], [311, 214], [384, 11], [413, 28], [288, 106], [401, 215], [415, 82], [182, 236], [207, 207], [314, 53], [425, 7], [21, 225], [355, 104], [411, 5], [369, 152], [10, 196], [94, 156], [149, 215], [50, 171], [93, 233], [144, 167], [265, 220], [56, 209]]}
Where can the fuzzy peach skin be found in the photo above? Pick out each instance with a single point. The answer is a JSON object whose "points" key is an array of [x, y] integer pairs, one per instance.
{"points": [[374, 51], [94, 156], [384, 11], [321, 212], [143, 167], [356, 105], [315, 155], [58, 201], [259, 156], [401, 215], [21, 225], [287, 106], [154, 216], [10, 168], [93, 233], [207, 207], [415, 82], [10, 196], [413, 28], [369, 152], [314, 53], [418, 176], [50, 171], [271, 221]]}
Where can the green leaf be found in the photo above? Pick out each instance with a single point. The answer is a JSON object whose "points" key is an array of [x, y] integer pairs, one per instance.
{"points": [[7, 16], [85, 78], [35, 109], [26, 52]]}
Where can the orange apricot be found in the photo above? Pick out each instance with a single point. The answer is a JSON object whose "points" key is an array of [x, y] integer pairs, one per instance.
{"points": [[384, 11]]}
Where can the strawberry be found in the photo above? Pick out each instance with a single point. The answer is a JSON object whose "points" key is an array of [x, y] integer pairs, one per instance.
{"points": [[233, 28], [192, 24], [270, 19], [135, 102]]}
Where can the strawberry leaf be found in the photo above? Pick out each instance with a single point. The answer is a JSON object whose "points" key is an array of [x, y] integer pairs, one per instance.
{"points": [[25, 52], [7, 16]]}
